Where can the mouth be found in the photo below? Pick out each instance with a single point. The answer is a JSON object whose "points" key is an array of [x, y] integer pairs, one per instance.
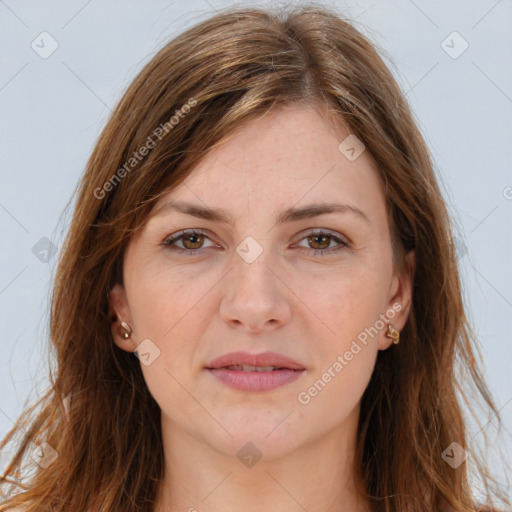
{"points": [[255, 372]]}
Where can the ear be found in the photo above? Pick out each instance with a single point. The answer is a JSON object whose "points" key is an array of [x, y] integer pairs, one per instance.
{"points": [[400, 299], [120, 312]]}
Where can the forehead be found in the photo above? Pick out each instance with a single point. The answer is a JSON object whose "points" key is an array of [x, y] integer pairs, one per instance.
{"points": [[289, 156]]}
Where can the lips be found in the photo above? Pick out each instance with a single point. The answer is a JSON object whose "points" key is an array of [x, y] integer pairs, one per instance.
{"points": [[255, 372], [266, 361]]}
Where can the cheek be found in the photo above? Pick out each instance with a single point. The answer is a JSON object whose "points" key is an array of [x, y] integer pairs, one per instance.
{"points": [[346, 304], [164, 298], [349, 310], [169, 311], [346, 351]]}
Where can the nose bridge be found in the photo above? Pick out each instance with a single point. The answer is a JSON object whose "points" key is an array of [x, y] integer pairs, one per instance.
{"points": [[252, 294], [252, 263]]}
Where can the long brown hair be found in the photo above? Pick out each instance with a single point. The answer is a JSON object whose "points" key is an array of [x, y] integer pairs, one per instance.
{"points": [[198, 90]]}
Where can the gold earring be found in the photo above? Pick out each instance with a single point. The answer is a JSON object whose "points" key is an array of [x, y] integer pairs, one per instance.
{"points": [[125, 330], [393, 333]]}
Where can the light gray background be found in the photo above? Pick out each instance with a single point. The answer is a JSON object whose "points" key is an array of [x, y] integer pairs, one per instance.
{"points": [[52, 111]]}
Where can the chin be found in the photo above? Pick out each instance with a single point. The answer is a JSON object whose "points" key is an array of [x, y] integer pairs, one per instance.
{"points": [[250, 448], [269, 435]]}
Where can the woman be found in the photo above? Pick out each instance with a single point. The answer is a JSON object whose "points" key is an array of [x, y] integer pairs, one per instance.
{"points": [[258, 303]]}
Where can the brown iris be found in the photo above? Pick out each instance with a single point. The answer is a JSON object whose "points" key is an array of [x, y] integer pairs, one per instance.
{"points": [[193, 236], [313, 237]]}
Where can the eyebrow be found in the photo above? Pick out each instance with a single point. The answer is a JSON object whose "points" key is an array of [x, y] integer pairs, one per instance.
{"points": [[288, 215]]}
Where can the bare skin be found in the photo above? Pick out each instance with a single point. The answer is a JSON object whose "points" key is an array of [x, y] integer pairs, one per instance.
{"points": [[290, 299]]}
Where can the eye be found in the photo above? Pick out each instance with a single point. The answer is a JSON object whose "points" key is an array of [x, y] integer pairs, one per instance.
{"points": [[322, 239], [191, 240]]}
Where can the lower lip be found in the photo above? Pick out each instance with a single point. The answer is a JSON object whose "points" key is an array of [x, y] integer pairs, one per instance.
{"points": [[255, 381]]}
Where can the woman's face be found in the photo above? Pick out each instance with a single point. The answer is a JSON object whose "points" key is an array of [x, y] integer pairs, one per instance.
{"points": [[318, 289]]}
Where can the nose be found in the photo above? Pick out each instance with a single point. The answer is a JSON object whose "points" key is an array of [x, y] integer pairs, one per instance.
{"points": [[254, 296]]}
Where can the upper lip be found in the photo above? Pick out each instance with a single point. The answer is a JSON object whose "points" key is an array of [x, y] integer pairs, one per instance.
{"points": [[263, 359]]}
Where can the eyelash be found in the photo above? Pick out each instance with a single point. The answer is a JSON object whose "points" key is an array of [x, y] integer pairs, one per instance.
{"points": [[170, 241]]}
